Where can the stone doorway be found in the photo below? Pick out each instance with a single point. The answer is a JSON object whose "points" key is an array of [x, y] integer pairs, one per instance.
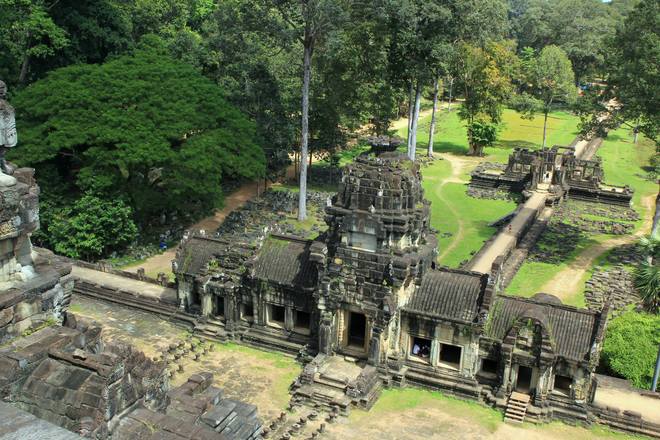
{"points": [[524, 380], [357, 331], [220, 306]]}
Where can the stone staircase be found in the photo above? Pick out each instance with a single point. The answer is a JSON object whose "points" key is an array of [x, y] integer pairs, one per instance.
{"points": [[210, 329], [335, 383], [516, 408]]}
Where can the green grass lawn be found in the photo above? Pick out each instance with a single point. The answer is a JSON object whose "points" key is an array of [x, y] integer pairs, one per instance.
{"points": [[624, 163], [452, 210], [455, 213], [451, 134], [399, 400], [533, 275]]}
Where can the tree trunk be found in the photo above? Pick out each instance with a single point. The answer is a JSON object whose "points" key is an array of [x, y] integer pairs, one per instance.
{"points": [[307, 73], [411, 106], [545, 124], [413, 137], [24, 69], [435, 108], [451, 83], [655, 229]]}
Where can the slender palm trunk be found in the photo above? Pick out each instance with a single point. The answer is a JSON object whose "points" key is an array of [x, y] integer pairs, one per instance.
{"points": [[545, 125], [307, 73], [413, 137], [435, 108], [411, 106]]}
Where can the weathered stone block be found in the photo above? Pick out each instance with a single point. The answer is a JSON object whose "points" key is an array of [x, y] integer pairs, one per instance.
{"points": [[20, 327], [24, 310], [6, 316]]}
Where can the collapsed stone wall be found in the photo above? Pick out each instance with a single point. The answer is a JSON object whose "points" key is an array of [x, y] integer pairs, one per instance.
{"points": [[615, 282], [68, 376], [597, 218]]}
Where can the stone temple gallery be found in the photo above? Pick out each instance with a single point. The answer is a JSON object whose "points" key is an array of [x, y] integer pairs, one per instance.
{"points": [[368, 306]]}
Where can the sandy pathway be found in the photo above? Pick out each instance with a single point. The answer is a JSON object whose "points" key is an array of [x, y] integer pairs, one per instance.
{"points": [[163, 262], [567, 282]]}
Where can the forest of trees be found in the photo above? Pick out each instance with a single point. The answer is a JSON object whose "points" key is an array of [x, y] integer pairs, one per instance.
{"points": [[157, 104]]}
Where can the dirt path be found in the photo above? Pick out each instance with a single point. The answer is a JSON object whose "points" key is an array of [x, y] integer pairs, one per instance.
{"points": [[163, 262], [567, 282]]}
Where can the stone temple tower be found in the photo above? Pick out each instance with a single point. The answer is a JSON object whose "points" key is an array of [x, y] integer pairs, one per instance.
{"points": [[378, 247]]}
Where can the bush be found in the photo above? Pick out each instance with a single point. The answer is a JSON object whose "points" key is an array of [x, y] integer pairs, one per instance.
{"points": [[631, 347], [92, 229]]}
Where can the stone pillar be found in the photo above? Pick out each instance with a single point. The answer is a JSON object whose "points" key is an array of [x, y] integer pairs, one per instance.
{"points": [[207, 304], [435, 352], [374, 348], [325, 333], [288, 318]]}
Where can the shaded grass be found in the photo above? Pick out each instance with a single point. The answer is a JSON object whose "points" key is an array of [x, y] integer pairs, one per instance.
{"points": [[394, 401]]}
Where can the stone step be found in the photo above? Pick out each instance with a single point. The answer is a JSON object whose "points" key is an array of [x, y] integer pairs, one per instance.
{"points": [[330, 381]]}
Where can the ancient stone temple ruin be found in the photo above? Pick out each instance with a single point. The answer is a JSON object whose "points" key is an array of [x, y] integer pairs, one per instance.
{"points": [[557, 170], [59, 369], [366, 306], [35, 285]]}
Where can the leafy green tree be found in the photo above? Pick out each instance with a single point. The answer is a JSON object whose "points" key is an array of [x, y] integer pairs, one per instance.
{"points": [[633, 83], [92, 228], [580, 27], [548, 80], [309, 21], [485, 75], [142, 127], [631, 345], [29, 33]]}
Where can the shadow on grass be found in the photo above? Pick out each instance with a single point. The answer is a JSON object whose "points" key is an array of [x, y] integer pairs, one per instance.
{"points": [[510, 145]]}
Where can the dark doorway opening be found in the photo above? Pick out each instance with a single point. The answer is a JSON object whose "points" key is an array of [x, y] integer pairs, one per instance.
{"points": [[220, 306], [357, 328], [563, 384], [276, 314], [489, 366], [302, 319], [421, 348], [524, 381], [450, 356]]}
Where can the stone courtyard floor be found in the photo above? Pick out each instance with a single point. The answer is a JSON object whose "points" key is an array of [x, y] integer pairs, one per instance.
{"points": [[263, 379]]}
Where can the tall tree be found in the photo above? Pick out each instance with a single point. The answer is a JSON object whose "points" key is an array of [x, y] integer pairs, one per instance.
{"points": [[485, 75], [548, 80], [580, 27], [311, 21]]}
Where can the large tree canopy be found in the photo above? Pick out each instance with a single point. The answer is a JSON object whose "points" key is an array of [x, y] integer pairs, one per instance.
{"points": [[142, 126]]}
